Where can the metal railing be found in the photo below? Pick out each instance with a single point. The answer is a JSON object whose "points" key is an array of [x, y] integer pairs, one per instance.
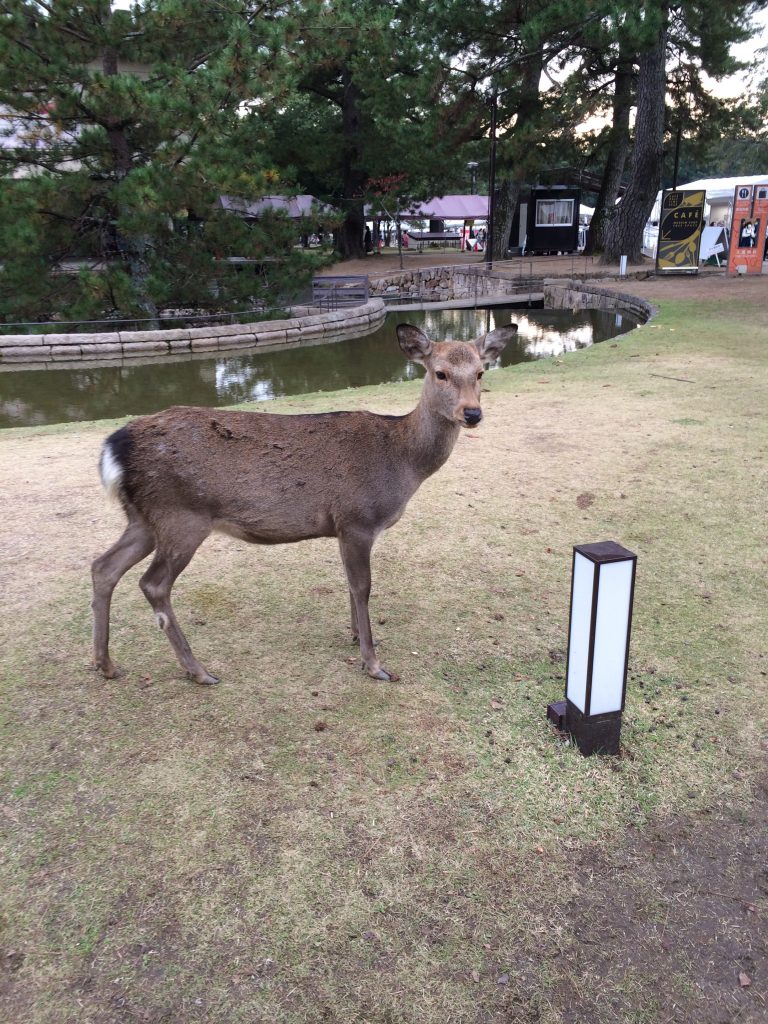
{"points": [[337, 292], [166, 320]]}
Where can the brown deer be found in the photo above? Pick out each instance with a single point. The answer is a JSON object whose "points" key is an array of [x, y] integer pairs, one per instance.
{"points": [[273, 479]]}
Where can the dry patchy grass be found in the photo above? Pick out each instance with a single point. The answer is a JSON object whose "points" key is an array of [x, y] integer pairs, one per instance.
{"points": [[303, 844]]}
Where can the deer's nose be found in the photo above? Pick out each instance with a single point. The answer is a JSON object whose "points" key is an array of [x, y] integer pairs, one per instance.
{"points": [[472, 417]]}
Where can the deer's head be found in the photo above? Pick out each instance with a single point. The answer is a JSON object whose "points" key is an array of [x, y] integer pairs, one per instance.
{"points": [[454, 369]]}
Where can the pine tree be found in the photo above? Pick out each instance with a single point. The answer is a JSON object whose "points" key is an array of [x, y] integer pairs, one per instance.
{"points": [[671, 45], [127, 128], [366, 106], [514, 46]]}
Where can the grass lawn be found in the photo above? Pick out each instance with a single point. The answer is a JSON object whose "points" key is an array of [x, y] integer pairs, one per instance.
{"points": [[304, 844]]}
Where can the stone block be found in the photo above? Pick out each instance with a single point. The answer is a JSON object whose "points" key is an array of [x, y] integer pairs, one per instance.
{"points": [[64, 351], [55, 340], [25, 354], [208, 344], [133, 337], [102, 351], [237, 340], [145, 348], [267, 326], [182, 345], [22, 340], [97, 338], [218, 331], [270, 337]]}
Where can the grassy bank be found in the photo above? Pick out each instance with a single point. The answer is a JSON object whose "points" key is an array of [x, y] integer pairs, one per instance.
{"points": [[304, 844]]}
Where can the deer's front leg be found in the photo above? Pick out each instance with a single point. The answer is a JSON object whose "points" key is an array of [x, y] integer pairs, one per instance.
{"points": [[356, 556]]}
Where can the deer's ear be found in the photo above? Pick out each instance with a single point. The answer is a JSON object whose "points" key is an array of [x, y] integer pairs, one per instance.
{"points": [[490, 346], [414, 343]]}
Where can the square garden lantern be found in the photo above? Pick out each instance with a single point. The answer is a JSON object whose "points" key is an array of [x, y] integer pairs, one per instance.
{"points": [[602, 591]]}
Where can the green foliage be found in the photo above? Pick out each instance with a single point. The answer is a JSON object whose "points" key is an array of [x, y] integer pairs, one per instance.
{"points": [[128, 128], [365, 106], [128, 125]]}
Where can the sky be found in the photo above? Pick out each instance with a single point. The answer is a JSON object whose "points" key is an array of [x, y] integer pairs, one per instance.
{"points": [[748, 52]]}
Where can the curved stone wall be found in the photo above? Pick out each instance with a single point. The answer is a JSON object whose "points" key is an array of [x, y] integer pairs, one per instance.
{"points": [[563, 293], [314, 326], [429, 284], [443, 284]]}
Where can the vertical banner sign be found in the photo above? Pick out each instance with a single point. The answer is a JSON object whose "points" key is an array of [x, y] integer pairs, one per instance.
{"points": [[748, 224], [682, 218]]}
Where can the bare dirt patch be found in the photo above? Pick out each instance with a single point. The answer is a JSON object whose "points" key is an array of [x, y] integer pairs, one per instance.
{"points": [[672, 923]]}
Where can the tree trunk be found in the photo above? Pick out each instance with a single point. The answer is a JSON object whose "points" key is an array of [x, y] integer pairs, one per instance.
{"points": [[504, 209], [350, 235], [625, 232], [132, 249], [618, 150], [510, 185]]}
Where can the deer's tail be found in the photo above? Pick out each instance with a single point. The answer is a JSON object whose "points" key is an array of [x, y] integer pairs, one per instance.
{"points": [[113, 463]]}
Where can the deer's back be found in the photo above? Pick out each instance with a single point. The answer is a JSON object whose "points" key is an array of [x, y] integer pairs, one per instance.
{"points": [[268, 477]]}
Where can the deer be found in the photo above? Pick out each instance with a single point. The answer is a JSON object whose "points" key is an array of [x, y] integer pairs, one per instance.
{"points": [[269, 478]]}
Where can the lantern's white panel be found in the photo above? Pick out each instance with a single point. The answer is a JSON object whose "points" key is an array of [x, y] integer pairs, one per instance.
{"points": [[611, 637], [578, 636]]}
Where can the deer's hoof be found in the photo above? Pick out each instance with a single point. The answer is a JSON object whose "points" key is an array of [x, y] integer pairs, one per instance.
{"points": [[382, 673], [109, 670], [204, 678]]}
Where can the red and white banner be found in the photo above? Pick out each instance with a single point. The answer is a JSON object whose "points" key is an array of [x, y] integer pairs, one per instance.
{"points": [[748, 225]]}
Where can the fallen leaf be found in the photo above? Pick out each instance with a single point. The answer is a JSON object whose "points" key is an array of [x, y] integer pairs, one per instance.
{"points": [[476, 976], [321, 726], [497, 703], [503, 979], [744, 979]]}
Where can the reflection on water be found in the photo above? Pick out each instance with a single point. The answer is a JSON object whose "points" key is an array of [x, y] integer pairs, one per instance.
{"points": [[31, 397]]}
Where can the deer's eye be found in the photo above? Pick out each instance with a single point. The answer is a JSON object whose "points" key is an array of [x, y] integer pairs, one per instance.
{"points": [[440, 375]]}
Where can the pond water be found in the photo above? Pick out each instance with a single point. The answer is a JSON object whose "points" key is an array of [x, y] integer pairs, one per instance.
{"points": [[32, 397]]}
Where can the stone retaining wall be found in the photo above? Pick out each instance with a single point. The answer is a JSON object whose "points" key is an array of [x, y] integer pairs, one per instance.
{"points": [[317, 325], [441, 284], [429, 284], [562, 293]]}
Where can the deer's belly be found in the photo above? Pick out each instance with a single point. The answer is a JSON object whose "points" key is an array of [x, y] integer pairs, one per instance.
{"points": [[267, 531]]}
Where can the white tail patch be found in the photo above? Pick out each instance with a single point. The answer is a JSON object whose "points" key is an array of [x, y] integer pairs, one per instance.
{"points": [[111, 472]]}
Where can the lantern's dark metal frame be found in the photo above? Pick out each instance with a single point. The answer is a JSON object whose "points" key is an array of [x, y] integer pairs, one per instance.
{"points": [[595, 733]]}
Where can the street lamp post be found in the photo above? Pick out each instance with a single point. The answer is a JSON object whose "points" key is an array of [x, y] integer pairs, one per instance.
{"points": [[491, 185], [472, 168]]}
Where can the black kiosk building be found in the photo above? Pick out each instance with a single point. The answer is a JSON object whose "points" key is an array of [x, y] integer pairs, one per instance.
{"points": [[551, 216]]}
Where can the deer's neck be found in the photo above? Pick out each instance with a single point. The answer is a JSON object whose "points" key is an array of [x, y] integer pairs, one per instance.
{"points": [[430, 439]]}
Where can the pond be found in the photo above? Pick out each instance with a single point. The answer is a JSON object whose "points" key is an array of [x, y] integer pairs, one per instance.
{"points": [[33, 397]]}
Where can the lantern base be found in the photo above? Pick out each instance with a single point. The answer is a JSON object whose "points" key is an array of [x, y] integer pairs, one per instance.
{"points": [[556, 714], [598, 734]]}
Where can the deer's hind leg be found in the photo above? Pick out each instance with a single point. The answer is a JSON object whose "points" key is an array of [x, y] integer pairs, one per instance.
{"points": [[106, 571], [174, 553]]}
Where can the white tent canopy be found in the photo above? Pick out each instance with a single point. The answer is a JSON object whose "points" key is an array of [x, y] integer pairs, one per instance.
{"points": [[717, 208], [719, 190], [293, 206]]}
